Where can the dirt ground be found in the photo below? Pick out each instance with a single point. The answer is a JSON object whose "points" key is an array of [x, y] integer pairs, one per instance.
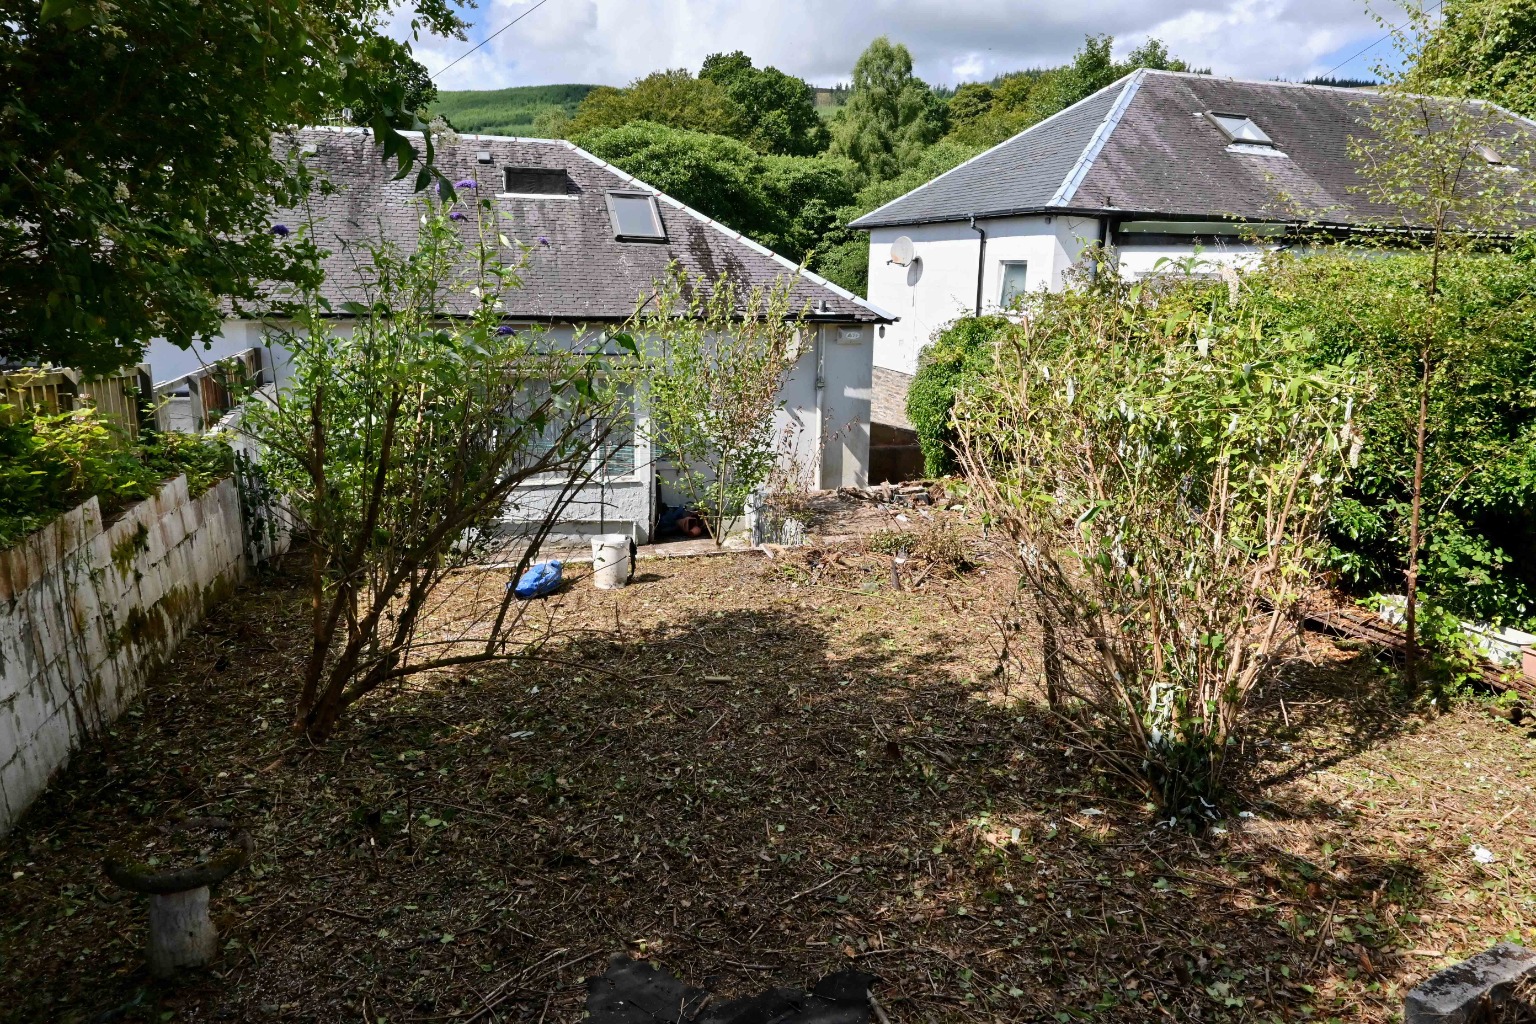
{"points": [[754, 771]]}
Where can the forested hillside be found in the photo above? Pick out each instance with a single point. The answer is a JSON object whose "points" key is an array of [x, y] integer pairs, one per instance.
{"points": [[512, 111]]}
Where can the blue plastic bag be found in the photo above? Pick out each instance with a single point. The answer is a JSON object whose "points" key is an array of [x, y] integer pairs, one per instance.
{"points": [[541, 579]]}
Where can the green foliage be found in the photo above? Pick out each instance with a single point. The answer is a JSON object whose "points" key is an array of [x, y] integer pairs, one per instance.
{"points": [[779, 110], [1480, 470], [717, 359], [139, 170], [956, 355], [1162, 466], [400, 444], [890, 116], [1483, 48], [984, 114], [843, 254], [673, 98], [785, 203], [49, 463], [514, 111]]}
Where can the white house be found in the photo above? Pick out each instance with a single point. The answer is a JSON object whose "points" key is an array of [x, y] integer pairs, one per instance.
{"points": [[599, 242], [1159, 164]]}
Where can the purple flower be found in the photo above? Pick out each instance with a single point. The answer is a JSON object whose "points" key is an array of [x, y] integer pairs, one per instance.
{"points": [[544, 241], [505, 329], [281, 230], [458, 215], [466, 183]]}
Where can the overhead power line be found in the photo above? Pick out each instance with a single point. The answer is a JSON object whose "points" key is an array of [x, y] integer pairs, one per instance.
{"points": [[1327, 74], [488, 38]]}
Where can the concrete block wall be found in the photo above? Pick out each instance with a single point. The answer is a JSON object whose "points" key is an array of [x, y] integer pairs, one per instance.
{"points": [[88, 612]]}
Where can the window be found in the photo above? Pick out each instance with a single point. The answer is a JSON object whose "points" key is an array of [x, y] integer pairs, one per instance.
{"points": [[1492, 157], [609, 443], [1240, 129], [535, 181], [1014, 280], [635, 217]]}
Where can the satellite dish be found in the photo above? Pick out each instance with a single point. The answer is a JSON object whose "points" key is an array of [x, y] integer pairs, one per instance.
{"points": [[914, 271], [901, 251]]}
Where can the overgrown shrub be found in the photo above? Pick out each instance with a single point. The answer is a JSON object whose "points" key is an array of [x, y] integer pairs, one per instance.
{"points": [[51, 462], [959, 351], [1161, 471], [400, 446], [1479, 553]]}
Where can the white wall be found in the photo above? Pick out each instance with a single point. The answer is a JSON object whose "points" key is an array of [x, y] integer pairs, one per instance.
{"points": [[167, 361], [829, 431], [929, 295], [87, 613]]}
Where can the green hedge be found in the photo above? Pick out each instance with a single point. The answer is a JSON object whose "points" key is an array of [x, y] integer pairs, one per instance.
{"points": [[50, 463], [961, 349]]}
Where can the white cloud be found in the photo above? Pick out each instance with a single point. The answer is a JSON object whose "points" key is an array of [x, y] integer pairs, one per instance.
{"points": [[614, 41]]}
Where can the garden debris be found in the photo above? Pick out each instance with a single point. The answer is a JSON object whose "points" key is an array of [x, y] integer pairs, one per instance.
{"points": [[638, 992]]}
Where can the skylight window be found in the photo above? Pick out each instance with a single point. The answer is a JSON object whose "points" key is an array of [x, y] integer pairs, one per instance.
{"points": [[635, 217], [1240, 129], [1490, 155]]}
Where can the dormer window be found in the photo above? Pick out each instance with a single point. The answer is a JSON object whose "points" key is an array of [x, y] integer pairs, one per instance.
{"points": [[1239, 129], [535, 181], [635, 217]]}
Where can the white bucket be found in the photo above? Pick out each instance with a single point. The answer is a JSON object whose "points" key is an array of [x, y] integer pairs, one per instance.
{"points": [[611, 566]]}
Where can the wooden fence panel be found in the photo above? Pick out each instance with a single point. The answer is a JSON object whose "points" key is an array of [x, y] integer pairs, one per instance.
{"points": [[121, 398]]}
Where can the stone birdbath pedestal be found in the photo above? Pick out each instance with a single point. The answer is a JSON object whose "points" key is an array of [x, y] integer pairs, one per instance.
{"points": [[174, 867]]}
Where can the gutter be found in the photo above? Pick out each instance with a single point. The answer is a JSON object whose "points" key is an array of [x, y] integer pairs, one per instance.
{"points": [[981, 262]]}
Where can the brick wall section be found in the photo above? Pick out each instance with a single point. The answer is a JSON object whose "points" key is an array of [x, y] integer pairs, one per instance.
{"points": [[888, 401], [87, 613]]}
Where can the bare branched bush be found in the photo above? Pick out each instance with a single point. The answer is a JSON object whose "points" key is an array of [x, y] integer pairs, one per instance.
{"points": [[1160, 472], [401, 446]]}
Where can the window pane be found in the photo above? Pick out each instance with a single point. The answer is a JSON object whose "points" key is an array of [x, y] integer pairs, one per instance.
{"points": [[635, 217], [1014, 279], [1242, 129]]}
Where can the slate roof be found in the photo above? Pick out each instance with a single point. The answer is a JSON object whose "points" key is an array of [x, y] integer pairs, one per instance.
{"points": [[1143, 146], [583, 274]]}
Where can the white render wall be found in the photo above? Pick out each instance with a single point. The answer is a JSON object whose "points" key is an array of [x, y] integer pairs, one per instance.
{"points": [[943, 288], [89, 613]]}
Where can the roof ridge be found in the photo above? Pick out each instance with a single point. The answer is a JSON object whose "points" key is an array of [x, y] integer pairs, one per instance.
{"points": [[1074, 179], [1122, 80], [757, 247], [1258, 81]]}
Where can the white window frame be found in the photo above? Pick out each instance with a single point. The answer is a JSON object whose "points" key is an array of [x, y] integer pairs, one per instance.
{"points": [[1002, 280]]}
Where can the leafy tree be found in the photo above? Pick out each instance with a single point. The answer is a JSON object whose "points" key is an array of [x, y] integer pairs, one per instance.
{"points": [[673, 98], [1479, 551], [1443, 164], [783, 202], [139, 167], [842, 256], [400, 445], [717, 358], [780, 109], [1094, 67], [1483, 48], [890, 116], [984, 115]]}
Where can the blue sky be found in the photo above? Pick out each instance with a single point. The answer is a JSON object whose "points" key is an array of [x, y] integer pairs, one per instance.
{"points": [[614, 41]]}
